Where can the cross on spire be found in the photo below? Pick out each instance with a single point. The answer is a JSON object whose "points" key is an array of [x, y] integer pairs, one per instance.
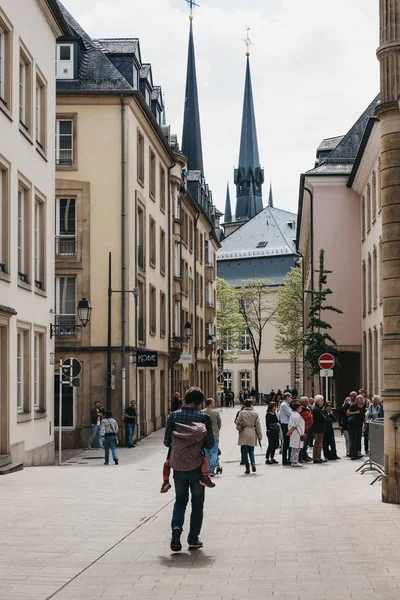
{"points": [[247, 39], [191, 4]]}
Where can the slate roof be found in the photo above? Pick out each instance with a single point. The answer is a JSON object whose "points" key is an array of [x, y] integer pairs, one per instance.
{"points": [[272, 268], [329, 143], [58, 16], [119, 45], [191, 135], [340, 161], [274, 226]]}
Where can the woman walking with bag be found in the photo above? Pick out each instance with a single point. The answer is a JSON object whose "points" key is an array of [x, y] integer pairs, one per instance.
{"points": [[249, 428], [296, 432], [273, 431]]}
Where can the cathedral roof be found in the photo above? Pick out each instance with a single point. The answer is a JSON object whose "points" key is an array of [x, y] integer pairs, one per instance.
{"points": [[248, 153]]}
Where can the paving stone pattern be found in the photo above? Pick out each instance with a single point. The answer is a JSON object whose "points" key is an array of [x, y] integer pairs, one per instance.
{"points": [[89, 531]]}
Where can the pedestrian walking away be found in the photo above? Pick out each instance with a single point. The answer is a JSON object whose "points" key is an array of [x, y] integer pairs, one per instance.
{"points": [[96, 415], [130, 419], [343, 422], [212, 454], [296, 433], [319, 426], [306, 414], [109, 432], [249, 428], [186, 432], [284, 417], [329, 442], [273, 431]]}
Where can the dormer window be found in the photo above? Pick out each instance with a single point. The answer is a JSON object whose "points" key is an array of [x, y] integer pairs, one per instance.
{"points": [[65, 61], [135, 78], [147, 95]]}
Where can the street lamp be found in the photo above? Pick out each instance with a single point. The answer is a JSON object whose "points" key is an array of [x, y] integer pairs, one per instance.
{"points": [[188, 331], [84, 311]]}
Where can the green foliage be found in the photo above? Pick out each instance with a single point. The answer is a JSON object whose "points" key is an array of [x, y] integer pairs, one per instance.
{"points": [[229, 320], [289, 313], [317, 339]]}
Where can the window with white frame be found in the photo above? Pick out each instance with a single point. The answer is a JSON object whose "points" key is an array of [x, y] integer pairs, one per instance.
{"points": [[24, 255], [209, 294], [66, 301], [5, 60], [244, 380], [246, 339], [23, 374], [25, 90], [65, 226], [64, 142], [38, 243], [40, 112], [65, 61], [4, 226], [135, 78], [228, 380], [2, 61], [38, 371]]}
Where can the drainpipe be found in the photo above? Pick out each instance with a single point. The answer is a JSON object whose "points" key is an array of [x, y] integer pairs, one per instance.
{"points": [[195, 296], [123, 265], [306, 189]]}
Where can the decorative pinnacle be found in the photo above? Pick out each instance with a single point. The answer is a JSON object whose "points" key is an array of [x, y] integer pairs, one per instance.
{"points": [[247, 40], [191, 4]]}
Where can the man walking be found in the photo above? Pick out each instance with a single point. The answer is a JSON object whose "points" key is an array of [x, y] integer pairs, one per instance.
{"points": [[284, 418], [319, 426], [186, 432], [130, 419], [212, 454], [96, 415]]}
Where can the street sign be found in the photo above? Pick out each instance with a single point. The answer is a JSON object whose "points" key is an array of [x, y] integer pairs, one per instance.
{"points": [[297, 375], [220, 379], [71, 368], [147, 358], [185, 359], [113, 370], [52, 358], [326, 361], [326, 373]]}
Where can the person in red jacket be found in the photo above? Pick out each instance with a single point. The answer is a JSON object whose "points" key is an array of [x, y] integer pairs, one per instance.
{"points": [[308, 421]]}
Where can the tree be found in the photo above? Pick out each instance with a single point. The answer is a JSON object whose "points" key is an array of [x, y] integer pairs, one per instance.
{"points": [[229, 320], [257, 309], [317, 339], [289, 313]]}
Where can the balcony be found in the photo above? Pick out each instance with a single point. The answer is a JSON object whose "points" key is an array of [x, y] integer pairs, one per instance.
{"points": [[141, 258], [65, 325], [66, 245]]}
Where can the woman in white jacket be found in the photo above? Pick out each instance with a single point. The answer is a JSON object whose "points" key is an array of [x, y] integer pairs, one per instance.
{"points": [[296, 431]]}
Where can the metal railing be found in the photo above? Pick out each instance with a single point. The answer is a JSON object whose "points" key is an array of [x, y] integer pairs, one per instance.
{"points": [[66, 245], [376, 458]]}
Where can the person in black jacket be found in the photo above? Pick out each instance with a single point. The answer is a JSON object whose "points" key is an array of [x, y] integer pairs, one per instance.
{"points": [[319, 427], [356, 416], [343, 419], [273, 430], [329, 443]]}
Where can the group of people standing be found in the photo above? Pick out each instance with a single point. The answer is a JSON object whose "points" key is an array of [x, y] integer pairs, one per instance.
{"points": [[355, 416]]}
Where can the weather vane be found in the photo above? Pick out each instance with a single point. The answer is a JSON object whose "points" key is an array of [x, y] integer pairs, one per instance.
{"points": [[191, 4], [247, 41]]}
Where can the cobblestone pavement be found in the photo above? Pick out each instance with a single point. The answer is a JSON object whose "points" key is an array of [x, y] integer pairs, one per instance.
{"points": [[87, 531]]}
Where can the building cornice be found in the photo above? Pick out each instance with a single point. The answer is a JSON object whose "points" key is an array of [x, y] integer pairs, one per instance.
{"points": [[54, 17]]}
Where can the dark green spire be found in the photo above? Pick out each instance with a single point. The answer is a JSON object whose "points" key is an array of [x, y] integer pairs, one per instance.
{"points": [[191, 136]]}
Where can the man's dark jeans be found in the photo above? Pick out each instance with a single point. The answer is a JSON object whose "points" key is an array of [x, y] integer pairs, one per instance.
{"points": [[247, 452], [185, 480], [355, 432], [285, 444]]}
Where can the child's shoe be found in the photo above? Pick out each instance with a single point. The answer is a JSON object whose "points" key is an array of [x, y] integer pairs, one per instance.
{"points": [[165, 487], [206, 481]]}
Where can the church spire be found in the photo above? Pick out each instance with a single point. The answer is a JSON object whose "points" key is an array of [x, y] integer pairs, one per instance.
{"points": [[228, 211], [249, 176], [270, 199], [191, 136]]}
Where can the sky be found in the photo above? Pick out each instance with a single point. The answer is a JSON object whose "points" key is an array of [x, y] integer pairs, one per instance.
{"points": [[313, 65]]}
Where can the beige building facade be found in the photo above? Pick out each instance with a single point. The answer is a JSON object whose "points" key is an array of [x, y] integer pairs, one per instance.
{"points": [[28, 32]]}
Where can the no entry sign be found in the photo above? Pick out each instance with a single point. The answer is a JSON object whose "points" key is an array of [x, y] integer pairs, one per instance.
{"points": [[326, 361]]}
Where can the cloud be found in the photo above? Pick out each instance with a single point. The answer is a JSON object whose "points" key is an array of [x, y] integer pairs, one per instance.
{"points": [[314, 71]]}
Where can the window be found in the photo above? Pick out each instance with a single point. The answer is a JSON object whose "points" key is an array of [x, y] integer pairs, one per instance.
{"points": [[190, 226], [228, 380], [5, 61], [209, 294], [226, 342], [40, 112], [197, 288], [246, 339], [201, 246], [162, 251], [376, 388], [208, 253], [163, 315], [38, 371], [362, 217], [162, 188], [369, 283], [142, 311], [4, 218], [152, 175], [368, 207], [140, 158], [153, 310], [135, 78], [65, 227], [373, 197], [378, 185], [185, 276], [24, 238], [68, 404], [152, 242], [23, 372], [147, 95], [177, 260], [375, 278], [39, 243], [201, 290], [65, 301], [370, 389], [64, 142], [380, 271], [364, 289], [65, 61], [244, 380], [141, 238], [364, 359], [25, 90]]}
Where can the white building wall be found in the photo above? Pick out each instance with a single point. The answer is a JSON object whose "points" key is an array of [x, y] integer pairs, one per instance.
{"points": [[30, 432]]}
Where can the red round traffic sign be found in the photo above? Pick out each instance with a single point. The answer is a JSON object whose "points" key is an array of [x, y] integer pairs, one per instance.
{"points": [[297, 375], [326, 361]]}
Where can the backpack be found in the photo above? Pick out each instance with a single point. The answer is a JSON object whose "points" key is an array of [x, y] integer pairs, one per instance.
{"points": [[187, 446]]}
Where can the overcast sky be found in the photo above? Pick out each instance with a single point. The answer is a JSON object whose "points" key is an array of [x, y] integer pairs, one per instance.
{"points": [[313, 64]]}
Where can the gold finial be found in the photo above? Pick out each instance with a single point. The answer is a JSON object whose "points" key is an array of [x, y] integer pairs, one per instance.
{"points": [[247, 41]]}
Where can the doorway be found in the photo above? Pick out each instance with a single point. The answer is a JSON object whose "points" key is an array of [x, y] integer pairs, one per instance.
{"points": [[4, 389]]}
